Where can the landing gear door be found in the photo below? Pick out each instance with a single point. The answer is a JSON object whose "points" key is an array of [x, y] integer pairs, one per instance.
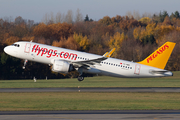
{"points": [[27, 48], [137, 69]]}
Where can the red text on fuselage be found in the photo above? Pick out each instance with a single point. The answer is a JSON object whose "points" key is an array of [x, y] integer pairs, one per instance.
{"points": [[51, 52]]}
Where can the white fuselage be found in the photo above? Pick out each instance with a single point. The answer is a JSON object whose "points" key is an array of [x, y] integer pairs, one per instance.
{"points": [[110, 67]]}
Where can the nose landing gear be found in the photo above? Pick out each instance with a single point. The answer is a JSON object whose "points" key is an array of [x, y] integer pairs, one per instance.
{"points": [[25, 62]]}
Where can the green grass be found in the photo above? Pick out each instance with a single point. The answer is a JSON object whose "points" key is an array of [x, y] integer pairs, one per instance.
{"points": [[89, 101], [100, 81]]}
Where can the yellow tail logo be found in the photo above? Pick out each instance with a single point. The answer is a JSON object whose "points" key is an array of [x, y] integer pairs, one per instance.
{"points": [[159, 57]]}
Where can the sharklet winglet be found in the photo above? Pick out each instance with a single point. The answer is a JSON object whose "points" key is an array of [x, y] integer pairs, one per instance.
{"points": [[108, 54]]}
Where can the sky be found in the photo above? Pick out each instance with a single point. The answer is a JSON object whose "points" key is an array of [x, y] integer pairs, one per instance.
{"points": [[95, 9]]}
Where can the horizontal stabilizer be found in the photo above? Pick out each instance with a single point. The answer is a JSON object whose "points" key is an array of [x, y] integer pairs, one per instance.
{"points": [[166, 73]]}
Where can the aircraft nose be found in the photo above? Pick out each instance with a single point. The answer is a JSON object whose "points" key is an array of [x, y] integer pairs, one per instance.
{"points": [[7, 50]]}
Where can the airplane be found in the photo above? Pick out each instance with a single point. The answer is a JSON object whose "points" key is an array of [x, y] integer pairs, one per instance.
{"points": [[65, 60]]}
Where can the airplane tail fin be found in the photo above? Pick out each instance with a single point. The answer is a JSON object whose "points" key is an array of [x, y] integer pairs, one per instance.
{"points": [[159, 57]]}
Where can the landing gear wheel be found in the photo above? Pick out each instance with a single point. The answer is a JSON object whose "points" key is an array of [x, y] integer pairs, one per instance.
{"points": [[80, 78]]}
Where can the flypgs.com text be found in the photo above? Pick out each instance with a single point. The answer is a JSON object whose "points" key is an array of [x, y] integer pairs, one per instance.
{"points": [[51, 52]]}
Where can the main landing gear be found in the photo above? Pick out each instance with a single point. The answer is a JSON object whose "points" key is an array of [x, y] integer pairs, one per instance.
{"points": [[80, 77]]}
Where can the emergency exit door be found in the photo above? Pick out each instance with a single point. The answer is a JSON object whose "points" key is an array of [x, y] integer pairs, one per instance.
{"points": [[137, 69]]}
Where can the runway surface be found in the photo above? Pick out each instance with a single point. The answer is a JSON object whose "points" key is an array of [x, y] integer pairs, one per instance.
{"points": [[91, 112], [94, 89], [93, 115]]}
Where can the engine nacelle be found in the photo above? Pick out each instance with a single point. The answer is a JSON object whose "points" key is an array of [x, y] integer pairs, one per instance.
{"points": [[62, 66]]}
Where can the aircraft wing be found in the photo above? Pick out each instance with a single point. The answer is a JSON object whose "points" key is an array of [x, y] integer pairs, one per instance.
{"points": [[92, 62], [89, 63]]}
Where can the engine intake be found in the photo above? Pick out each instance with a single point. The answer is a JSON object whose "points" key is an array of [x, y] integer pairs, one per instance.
{"points": [[62, 66]]}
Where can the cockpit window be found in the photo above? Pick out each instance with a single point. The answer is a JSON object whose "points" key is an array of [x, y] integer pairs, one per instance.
{"points": [[16, 45]]}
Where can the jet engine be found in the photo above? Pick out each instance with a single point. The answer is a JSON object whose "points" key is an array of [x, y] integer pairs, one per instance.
{"points": [[62, 66]]}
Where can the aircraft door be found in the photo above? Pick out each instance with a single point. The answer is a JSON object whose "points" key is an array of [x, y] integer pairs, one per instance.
{"points": [[137, 69], [27, 48]]}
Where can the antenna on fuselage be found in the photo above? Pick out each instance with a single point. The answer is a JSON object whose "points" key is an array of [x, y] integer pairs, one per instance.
{"points": [[31, 40]]}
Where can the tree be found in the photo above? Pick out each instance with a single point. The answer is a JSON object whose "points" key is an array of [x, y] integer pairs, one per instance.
{"points": [[163, 15], [82, 41], [86, 18], [172, 16], [106, 20], [145, 20], [59, 18], [145, 35], [42, 30], [69, 17], [11, 40], [162, 30], [115, 42], [1, 22], [167, 21], [127, 23], [19, 30], [79, 17], [69, 43], [10, 67], [176, 14], [174, 60], [19, 20], [53, 31]]}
